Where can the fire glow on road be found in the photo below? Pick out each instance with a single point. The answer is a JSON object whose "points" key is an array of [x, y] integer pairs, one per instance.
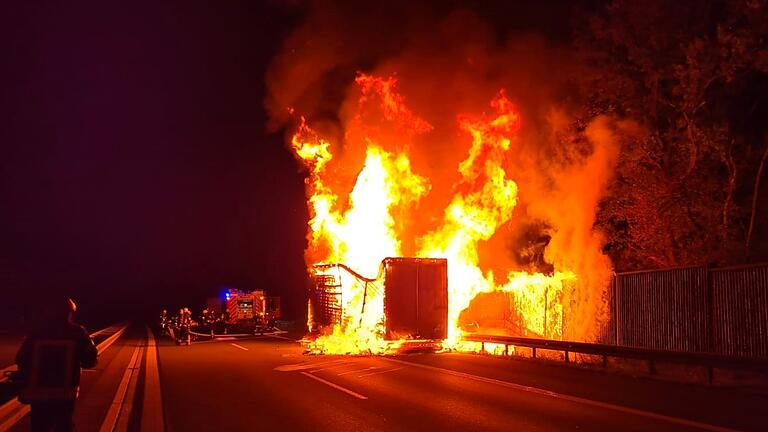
{"points": [[495, 382], [336, 386]]}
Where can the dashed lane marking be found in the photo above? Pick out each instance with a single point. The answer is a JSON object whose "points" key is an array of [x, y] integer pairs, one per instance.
{"points": [[343, 364], [381, 372], [336, 386], [239, 346], [281, 337], [355, 370], [308, 365]]}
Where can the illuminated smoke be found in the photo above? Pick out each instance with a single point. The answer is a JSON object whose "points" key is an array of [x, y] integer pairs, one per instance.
{"points": [[448, 144]]}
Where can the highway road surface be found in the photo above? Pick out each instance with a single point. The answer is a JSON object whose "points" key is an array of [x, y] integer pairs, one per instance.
{"points": [[266, 383]]}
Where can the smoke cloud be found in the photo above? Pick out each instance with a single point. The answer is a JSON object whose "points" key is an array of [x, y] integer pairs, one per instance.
{"points": [[451, 62]]}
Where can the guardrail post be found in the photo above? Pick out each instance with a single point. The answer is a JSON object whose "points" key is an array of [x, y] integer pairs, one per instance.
{"points": [[605, 361], [616, 310], [482, 346], [546, 305], [534, 352], [567, 359], [651, 367], [506, 349], [710, 306]]}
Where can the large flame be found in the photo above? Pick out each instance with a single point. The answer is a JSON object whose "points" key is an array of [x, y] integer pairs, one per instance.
{"points": [[363, 227]]}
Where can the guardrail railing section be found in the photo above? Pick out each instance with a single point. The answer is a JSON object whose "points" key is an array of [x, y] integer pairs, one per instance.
{"points": [[692, 309], [740, 311]]}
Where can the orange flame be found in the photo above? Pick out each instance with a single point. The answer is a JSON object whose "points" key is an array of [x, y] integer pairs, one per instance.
{"points": [[362, 230]]}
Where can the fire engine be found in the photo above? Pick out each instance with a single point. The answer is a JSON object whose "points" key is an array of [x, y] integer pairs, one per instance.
{"points": [[251, 308]]}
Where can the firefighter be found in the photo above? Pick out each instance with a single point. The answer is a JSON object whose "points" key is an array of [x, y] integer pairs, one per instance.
{"points": [[164, 321], [218, 322], [208, 317], [171, 326], [52, 391], [185, 322], [208, 320], [176, 325]]}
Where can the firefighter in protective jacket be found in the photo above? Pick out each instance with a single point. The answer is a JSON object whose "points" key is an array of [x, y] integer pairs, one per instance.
{"points": [[49, 363], [185, 323]]}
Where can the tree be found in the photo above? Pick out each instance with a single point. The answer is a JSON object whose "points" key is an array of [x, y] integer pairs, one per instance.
{"points": [[694, 75]]}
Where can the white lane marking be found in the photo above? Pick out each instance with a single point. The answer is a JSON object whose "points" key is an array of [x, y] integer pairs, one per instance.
{"points": [[239, 346], [217, 340], [281, 337], [306, 365], [356, 370], [228, 336], [535, 390], [115, 409], [330, 367], [152, 418], [380, 372], [336, 386], [130, 395]]}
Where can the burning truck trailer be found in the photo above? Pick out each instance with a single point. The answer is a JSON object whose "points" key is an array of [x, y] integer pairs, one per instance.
{"points": [[471, 215], [413, 293]]}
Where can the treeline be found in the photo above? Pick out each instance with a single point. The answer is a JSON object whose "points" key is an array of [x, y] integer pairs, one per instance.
{"points": [[694, 75]]}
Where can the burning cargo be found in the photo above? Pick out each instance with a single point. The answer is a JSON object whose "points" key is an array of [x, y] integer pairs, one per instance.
{"points": [[411, 294], [373, 192]]}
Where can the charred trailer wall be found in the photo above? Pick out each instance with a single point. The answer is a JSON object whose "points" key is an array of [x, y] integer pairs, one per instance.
{"points": [[416, 298]]}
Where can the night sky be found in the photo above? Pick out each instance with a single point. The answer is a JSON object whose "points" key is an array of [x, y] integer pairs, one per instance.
{"points": [[137, 170]]}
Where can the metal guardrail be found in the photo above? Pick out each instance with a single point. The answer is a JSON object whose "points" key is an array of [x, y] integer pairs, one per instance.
{"points": [[664, 309], [739, 298], [651, 355]]}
